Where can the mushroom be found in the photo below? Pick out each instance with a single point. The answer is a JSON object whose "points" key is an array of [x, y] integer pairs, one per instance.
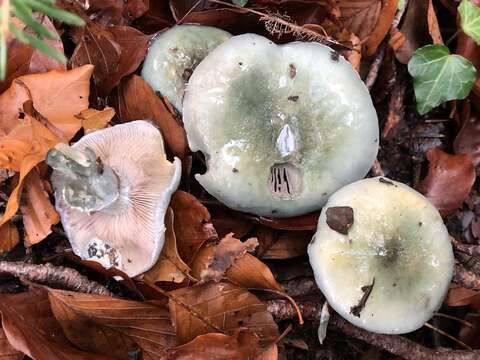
{"points": [[173, 56], [381, 255], [112, 190], [281, 126]]}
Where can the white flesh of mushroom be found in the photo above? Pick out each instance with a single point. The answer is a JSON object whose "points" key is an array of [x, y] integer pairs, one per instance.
{"points": [[173, 56], [282, 127], [127, 233], [398, 242]]}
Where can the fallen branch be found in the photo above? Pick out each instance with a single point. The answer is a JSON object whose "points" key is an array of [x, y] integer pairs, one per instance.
{"points": [[394, 344], [375, 67], [58, 276]]}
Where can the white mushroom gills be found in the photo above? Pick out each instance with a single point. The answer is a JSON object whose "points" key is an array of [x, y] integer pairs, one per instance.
{"points": [[281, 126], [390, 272], [173, 56], [127, 233]]}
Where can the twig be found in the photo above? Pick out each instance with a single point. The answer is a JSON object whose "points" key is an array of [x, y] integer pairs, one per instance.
{"points": [[59, 276], [375, 67], [453, 338], [395, 344]]}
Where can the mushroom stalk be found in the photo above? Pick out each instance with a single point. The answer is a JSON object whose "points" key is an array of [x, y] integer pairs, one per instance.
{"points": [[88, 184]]}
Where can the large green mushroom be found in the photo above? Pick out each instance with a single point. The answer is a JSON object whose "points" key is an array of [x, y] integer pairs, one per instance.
{"points": [[281, 126], [382, 256]]}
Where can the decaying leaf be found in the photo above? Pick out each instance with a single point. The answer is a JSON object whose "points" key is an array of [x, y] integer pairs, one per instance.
{"points": [[9, 237], [467, 140], [191, 218], [242, 344], [31, 328], [116, 12], [449, 180], [229, 259], [460, 296], [303, 222], [275, 244], [153, 108], [7, 352], [111, 326], [95, 120], [169, 267], [215, 307]]}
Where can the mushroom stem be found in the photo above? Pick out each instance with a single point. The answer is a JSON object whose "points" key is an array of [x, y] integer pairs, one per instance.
{"points": [[87, 183]]}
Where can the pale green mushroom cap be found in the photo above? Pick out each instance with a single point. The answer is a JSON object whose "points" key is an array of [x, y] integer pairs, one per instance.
{"points": [[281, 126], [397, 238], [173, 56]]}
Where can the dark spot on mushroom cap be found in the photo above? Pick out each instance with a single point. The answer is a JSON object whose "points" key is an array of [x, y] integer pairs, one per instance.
{"points": [[186, 74], [240, 63], [235, 170], [292, 71], [293, 98], [340, 218], [334, 55]]}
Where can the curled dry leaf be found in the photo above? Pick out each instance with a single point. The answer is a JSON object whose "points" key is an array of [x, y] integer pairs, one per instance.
{"points": [[7, 352], [169, 267], [242, 344], [275, 244], [31, 328], [230, 259], [9, 237], [95, 120], [449, 180], [115, 51], [190, 220], [384, 22], [152, 108], [215, 307], [468, 139], [111, 326]]}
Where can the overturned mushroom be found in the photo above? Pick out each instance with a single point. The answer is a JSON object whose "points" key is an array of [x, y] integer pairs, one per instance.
{"points": [[282, 127], [112, 190], [390, 270], [173, 56]]}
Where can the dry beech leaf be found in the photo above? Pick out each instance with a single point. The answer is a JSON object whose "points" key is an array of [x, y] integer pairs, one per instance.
{"points": [[153, 108], [116, 51], [360, 17], [190, 220], [169, 267], [302, 222], [230, 259], [9, 237], [223, 305], [270, 354], [449, 180], [460, 296], [242, 344], [275, 244], [7, 352], [226, 221], [111, 326], [57, 95], [95, 120], [385, 19], [433, 27], [467, 140], [31, 328], [38, 213], [116, 12]]}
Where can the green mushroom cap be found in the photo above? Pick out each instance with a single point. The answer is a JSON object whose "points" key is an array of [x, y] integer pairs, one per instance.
{"points": [[281, 126]]}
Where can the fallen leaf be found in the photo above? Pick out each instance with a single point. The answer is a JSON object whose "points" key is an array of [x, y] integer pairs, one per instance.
{"points": [[57, 95], [231, 260], [460, 296], [7, 352], [302, 222], [111, 326], [469, 49], [205, 308], [226, 221], [467, 140], [9, 237], [190, 218], [360, 17], [95, 120], [31, 328], [116, 51], [116, 12], [151, 107], [384, 22], [433, 27], [180, 8], [38, 213], [270, 354], [242, 344], [276, 244], [449, 180], [169, 267]]}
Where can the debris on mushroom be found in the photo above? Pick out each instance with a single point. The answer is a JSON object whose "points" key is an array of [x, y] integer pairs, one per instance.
{"points": [[281, 126], [390, 272], [112, 190], [173, 56]]}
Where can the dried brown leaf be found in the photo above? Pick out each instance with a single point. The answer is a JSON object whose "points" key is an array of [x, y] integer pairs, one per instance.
{"points": [[275, 244], [9, 237], [302, 222], [242, 344], [190, 220], [467, 140], [115, 51], [219, 306], [153, 108], [169, 267], [7, 352], [95, 120], [270, 354], [460, 296], [111, 326], [449, 180], [385, 19], [433, 27], [31, 328], [116, 12]]}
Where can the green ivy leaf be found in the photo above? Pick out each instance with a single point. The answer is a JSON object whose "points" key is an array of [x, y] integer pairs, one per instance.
{"points": [[240, 2], [470, 19], [439, 76]]}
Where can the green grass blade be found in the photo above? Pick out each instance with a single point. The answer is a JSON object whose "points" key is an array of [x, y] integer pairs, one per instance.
{"points": [[3, 56], [56, 13], [37, 44], [24, 13]]}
